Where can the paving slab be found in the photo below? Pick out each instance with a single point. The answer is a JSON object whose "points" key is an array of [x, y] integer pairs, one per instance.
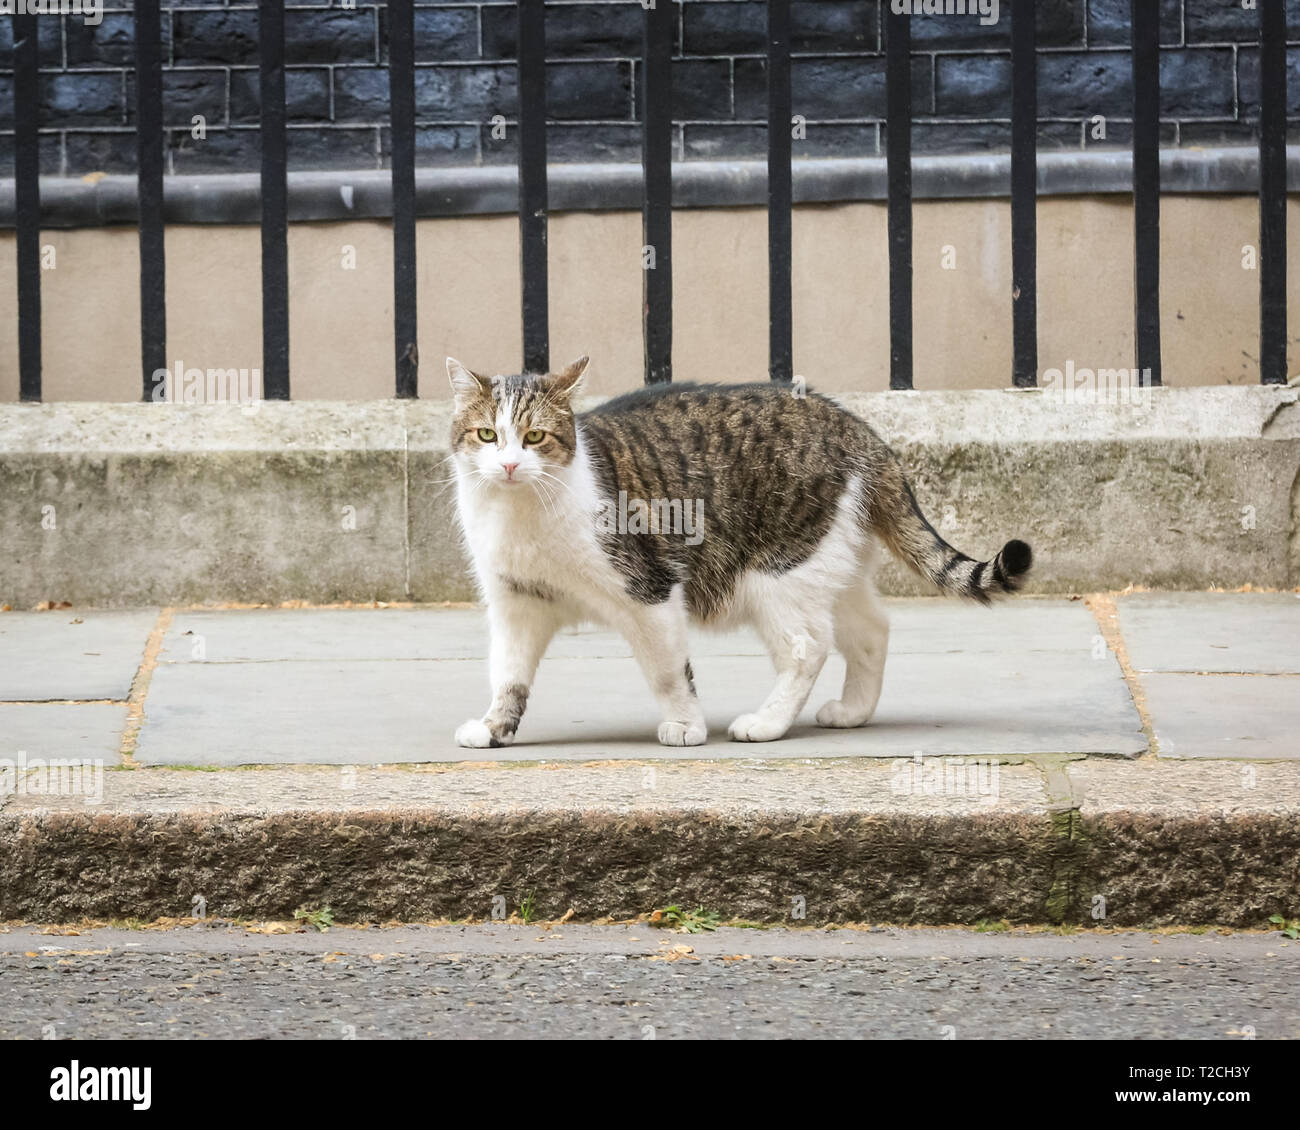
{"points": [[264, 635], [1225, 716], [1214, 632], [1204, 790], [840, 786], [78, 730], [71, 653], [332, 687]]}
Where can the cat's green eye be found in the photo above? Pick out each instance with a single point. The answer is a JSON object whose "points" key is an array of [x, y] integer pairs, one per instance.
{"points": [[487, 435], [534, 436]]}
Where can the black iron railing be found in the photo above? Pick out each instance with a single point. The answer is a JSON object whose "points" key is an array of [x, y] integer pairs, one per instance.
{"points": [[655, 101]]}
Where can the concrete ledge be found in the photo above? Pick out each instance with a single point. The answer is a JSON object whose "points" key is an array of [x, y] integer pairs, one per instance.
{"points": [[1160, 846], [137, 504], [235, 198]]}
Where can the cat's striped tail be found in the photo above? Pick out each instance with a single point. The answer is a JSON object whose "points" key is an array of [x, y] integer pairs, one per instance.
{"points": [[899, 523]]}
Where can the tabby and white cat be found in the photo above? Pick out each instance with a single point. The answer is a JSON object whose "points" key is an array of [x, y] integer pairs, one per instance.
{"points": [[714, 504]]}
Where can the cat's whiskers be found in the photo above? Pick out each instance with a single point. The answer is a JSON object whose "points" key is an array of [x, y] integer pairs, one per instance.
{"points": [[454, 477], [477, 480], [541, 491], [558, 480]]}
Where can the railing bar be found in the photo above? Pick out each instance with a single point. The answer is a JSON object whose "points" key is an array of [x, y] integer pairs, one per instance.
{"points": [[149, 178], [779, 192], [27, 202], [898, 153], [1145, 16], [532, 185], [657, 193], [1024, 195], [1272, 192], [401, 79], [275, 203]]}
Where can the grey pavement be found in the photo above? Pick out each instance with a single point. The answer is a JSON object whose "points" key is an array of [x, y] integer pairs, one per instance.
{"points": [[1217, 673], [71, 653], [1221, 671], [45, 730], [1249, 632], [634, 982]]}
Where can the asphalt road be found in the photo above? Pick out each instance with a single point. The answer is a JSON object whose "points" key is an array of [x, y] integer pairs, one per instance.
{"points": [[639, 983]]}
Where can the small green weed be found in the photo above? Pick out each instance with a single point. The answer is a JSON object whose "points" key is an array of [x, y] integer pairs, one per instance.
{"points": [[695, 921], [321, 919], [1290, 927]]}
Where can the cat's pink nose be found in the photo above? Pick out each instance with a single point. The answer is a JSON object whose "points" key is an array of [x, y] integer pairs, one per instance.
{"points": [[509, 469]]}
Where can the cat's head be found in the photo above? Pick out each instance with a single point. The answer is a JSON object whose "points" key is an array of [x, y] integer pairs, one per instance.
{"points": [[517, 429]]}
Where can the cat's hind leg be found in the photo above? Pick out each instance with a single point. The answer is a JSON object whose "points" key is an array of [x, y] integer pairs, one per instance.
{"points": [[521, 627], [798, 639], [862, 637]]}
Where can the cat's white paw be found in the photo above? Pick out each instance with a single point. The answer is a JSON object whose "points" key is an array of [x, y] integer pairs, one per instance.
{"points": [[474, 735], [756, 728], [682, 733], [834, 715]]}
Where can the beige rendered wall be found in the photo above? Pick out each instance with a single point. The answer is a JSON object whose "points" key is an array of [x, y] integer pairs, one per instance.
{"points": [[341, 333]]}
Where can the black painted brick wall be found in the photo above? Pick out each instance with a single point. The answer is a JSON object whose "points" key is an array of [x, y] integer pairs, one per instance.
{"points": [[338, 93]]}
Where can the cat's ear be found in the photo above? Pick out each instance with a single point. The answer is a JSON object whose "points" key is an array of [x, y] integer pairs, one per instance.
{"points": [[570, 377], [465, 384]]}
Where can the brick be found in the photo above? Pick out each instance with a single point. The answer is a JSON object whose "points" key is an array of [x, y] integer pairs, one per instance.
{"points": [[77, 99], [215, 37], [1248, 82], [1231, 133], [51, 148], [1058, 23], [477, 92], [361, 94], [573, 31], [341, 35], [441, 34], [736, 142], [701, 89], [975, 86], [472, 93], [104, 152], [993, 137], [589, 90], [1197, 83], [829, 88], [1218, 21], [306, 95], [111, 43], [1108, 22], [222, 151], [570, 143], [49, 41], [436, 145], [731, 28], [185, 94], [1081, 84], [331, 148]]}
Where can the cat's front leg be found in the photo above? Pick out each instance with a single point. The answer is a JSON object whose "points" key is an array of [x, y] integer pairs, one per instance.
{"points": [[657, 634], [521, 628]]}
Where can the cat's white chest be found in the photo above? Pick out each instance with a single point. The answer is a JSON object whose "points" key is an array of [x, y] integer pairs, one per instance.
{"points": [[519, 539]]}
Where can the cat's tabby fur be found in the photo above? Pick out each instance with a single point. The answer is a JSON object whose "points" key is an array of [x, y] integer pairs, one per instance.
{"points": [[766, 507]]}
